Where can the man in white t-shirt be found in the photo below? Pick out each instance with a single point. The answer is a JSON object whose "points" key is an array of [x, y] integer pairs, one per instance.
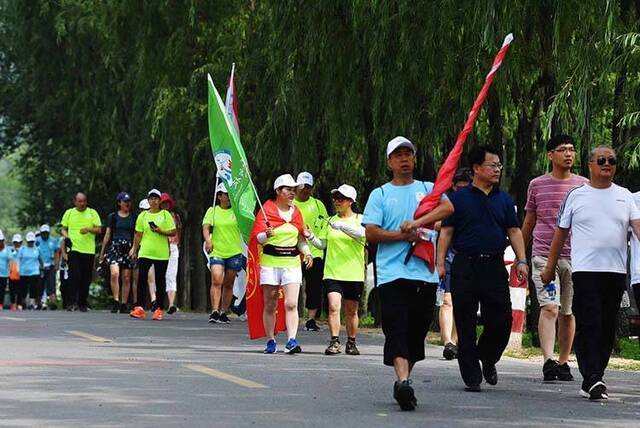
{"points": [[635, 260], [599, 215]]}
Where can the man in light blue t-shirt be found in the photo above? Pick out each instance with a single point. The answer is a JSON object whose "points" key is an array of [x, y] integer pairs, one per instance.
{"points": [[407, 291]]}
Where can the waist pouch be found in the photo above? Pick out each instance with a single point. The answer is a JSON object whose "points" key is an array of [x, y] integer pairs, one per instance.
{"points": [[276, 251]]}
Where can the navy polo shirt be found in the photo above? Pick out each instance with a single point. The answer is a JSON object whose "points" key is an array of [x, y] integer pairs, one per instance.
{"points": [[481, 221]]}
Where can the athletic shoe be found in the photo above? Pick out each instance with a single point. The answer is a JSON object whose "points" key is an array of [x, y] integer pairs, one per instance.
{"points": [[598, 391], [214, 317], [124, 308], [333, 348], [311, 325], [83, 308], [351, 348], [450, 351], [13, 307], [472, 388], [550, 370], [243, 317], [271, 348], [564, 373], [172, 310], [115, 307], [224, 319], [31, 307], [490, 373], [53, 306], [1, 306], [158, 315], [404, 395], [292, 347], [19, 307], [137, 312]]}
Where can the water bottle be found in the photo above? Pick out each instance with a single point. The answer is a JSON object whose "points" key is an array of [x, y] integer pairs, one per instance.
{"points": [[427, 235], [551, 291], [440, 293]]}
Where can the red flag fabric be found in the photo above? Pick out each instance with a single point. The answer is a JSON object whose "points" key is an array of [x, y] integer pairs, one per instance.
{"points": [[424, 249], [255, 302]]}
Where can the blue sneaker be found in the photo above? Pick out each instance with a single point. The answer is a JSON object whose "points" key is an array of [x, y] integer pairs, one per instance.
{"points": [[271, 347], [292, 347]]}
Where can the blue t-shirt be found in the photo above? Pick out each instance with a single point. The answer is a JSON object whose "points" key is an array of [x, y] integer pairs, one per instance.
{"points": [[47, 250], [5, 255], [388, 207], [29, 261]]}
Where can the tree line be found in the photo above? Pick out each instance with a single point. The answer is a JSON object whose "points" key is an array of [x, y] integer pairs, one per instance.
{"points": [[105, 96]]}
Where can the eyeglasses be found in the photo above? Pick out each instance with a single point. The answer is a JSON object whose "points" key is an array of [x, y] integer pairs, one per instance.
{"points": [[569, 149], [494, 165], [602, 160]]}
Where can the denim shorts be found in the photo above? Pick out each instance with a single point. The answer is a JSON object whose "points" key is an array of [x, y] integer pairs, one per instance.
{"points": [[235, 263]]}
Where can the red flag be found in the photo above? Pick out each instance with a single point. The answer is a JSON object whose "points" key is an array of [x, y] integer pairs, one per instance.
{"points": [[255, 303], [425, 249]]}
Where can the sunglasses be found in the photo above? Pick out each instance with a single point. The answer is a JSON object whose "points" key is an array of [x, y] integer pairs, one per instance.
{"points": [[602, 160], [339, 198]]}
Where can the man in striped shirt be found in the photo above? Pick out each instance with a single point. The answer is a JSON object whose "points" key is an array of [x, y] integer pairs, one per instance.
{"points": [[545, 196]]}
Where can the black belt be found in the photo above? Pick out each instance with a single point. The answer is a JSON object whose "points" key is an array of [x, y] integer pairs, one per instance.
{"points": [[276, 251], [481, 256]]}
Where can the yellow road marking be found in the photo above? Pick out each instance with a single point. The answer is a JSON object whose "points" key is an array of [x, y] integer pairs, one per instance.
{"points": [[89, 336], [224, 376]]}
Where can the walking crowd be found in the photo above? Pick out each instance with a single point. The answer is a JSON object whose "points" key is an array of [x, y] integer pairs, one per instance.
{"points": [[579, 229]]}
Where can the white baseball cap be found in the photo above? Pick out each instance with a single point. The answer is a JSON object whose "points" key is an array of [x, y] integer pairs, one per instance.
{"points": [[31, 237], [346, 190], [1, 236], [285, 180], [154, 192], [221, 188], [17, 238], [144, 204], [305, 178], [45, 228], [399, 142]]}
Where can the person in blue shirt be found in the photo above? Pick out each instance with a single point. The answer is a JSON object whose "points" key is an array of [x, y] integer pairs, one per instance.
{"points": [[49, 249], [30, 264], [483, 223], [5, 255], [407, 291]]}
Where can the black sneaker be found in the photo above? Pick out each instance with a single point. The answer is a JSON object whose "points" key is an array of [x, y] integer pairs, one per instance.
{"points": [[83, 308], [450, 351], [124, 308], [115, 307], [224, 319], [598, 391], [564, 373], [53, 306], [333, 348], [404, 395], [311, 325], [550, 370], [472, 388], [490, 373], [172, 310], [351, 348], [214, 317]]}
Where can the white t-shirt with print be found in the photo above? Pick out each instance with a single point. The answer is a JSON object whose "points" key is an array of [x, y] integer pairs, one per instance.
{"points": [[599, 220], [635, 250]]}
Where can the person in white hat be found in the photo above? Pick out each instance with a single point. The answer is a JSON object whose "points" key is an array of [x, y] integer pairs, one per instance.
{"points": [[30, 264], [344, 267], [282, 240], [314, 214], [50, 254], [223, 243], [406, 290], [15, 287], [5, 256], [80, 226], [151, 249]]}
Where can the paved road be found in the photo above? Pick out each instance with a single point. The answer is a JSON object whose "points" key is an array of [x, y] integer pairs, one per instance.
{"points": [[60, 369]]}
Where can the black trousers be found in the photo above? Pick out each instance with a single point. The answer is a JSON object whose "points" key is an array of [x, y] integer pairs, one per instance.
{"points": [[80, 273], [480, 280], [17, 291], [3, 288], [596, 302], [313, 284], [65, 288], [636, 294], [31, 284], [160, 268]]}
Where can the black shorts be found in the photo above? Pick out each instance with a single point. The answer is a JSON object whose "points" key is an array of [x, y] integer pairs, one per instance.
{"points": [[407, 309], [350, 290]]}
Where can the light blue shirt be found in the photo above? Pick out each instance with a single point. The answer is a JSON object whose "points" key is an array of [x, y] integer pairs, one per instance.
{"points": [[388, 207], [29, 261], [5, 256], [47, 250]]}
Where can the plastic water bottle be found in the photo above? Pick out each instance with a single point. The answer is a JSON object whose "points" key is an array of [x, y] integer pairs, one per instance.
{"points": [[551, 291], [440, 294], [427, 235]]}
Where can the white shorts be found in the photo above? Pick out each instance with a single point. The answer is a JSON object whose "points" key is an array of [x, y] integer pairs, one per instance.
{"points": [[280, 276]]}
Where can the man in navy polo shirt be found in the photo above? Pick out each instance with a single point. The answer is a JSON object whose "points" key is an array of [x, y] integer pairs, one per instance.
{"points": [[483, 219]]}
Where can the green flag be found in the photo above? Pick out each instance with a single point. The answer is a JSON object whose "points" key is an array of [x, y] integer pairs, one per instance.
{"points": [[231, 162]]}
